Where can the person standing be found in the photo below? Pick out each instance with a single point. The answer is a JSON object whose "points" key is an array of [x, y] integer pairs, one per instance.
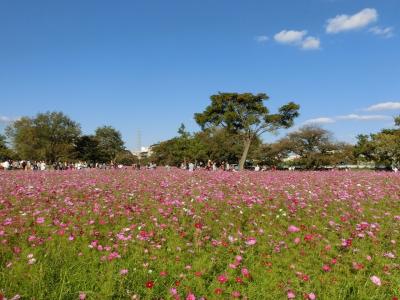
{"points": [[6, 165], [191, 167]]}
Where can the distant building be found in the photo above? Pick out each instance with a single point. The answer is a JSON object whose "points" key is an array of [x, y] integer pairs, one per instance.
{"points": [[291, 157], [144, 152]]}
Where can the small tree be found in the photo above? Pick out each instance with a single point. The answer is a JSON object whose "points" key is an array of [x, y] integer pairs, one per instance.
{"points": [[397, 121], [246, 115], [316, 147], [126, 158], [110, 143]]}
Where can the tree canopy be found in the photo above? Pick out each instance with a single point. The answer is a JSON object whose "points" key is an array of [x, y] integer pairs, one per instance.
{"points": [[231, 132], [383, 147], [47, 136], [316, 148], [5, 152], [246, 115], [86, 149]]}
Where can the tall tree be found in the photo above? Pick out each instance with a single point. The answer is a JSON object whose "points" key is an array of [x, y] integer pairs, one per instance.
{"points": [[246, 115], [49, 136], [222, 145], [110, 143], [24, 139]]}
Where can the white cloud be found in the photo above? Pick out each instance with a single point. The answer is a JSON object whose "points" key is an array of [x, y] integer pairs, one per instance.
{"points": [[384, 106], [7, 120], [354, 117], [321, 120], [298, 38], [357, 21], [261, 38], [310, 43], [364, 117], [383, 32], [290, 36]]}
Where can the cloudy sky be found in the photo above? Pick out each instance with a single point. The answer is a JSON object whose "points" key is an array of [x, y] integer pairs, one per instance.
{"points": [[150, 65]]}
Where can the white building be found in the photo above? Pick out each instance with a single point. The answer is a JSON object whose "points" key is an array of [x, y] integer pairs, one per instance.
{"points": [[144, 152]]}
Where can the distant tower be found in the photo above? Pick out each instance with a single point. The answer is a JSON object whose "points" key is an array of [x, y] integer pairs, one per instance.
{"points": [[138, 141]]}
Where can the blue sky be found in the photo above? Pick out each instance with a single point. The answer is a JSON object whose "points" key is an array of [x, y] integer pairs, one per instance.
{"points": [[150, 65]]}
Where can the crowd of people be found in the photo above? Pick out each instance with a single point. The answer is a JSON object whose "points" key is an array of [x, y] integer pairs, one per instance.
{"points": [[24, 165], [224, 166], [79, 165], [42, 165]]}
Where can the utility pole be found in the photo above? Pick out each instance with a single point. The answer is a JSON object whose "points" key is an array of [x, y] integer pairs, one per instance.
{"points": [[138, 141]]}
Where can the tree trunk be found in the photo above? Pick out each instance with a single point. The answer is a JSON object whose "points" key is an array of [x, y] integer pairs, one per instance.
{"points": [[247, 143]]}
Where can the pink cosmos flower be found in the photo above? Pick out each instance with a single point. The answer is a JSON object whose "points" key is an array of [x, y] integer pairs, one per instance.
{"points": [[123, 272], [113, 255], [238, 258], [251, 241], [293, 228], [235, 294], [311, 296], [40, 220], [291, 295], [389, 255], [326, 268], [82, 296], [232, 266], [222, 278], [376, 280], [357, 266], [191, 297], [245, 272]]}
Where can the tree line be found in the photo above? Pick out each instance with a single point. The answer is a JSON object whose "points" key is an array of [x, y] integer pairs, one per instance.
{"points": [[231, 129], [54, 137]]}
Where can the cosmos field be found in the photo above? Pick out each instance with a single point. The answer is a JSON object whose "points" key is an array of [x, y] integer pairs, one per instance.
{"points": [[158, 234]]}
